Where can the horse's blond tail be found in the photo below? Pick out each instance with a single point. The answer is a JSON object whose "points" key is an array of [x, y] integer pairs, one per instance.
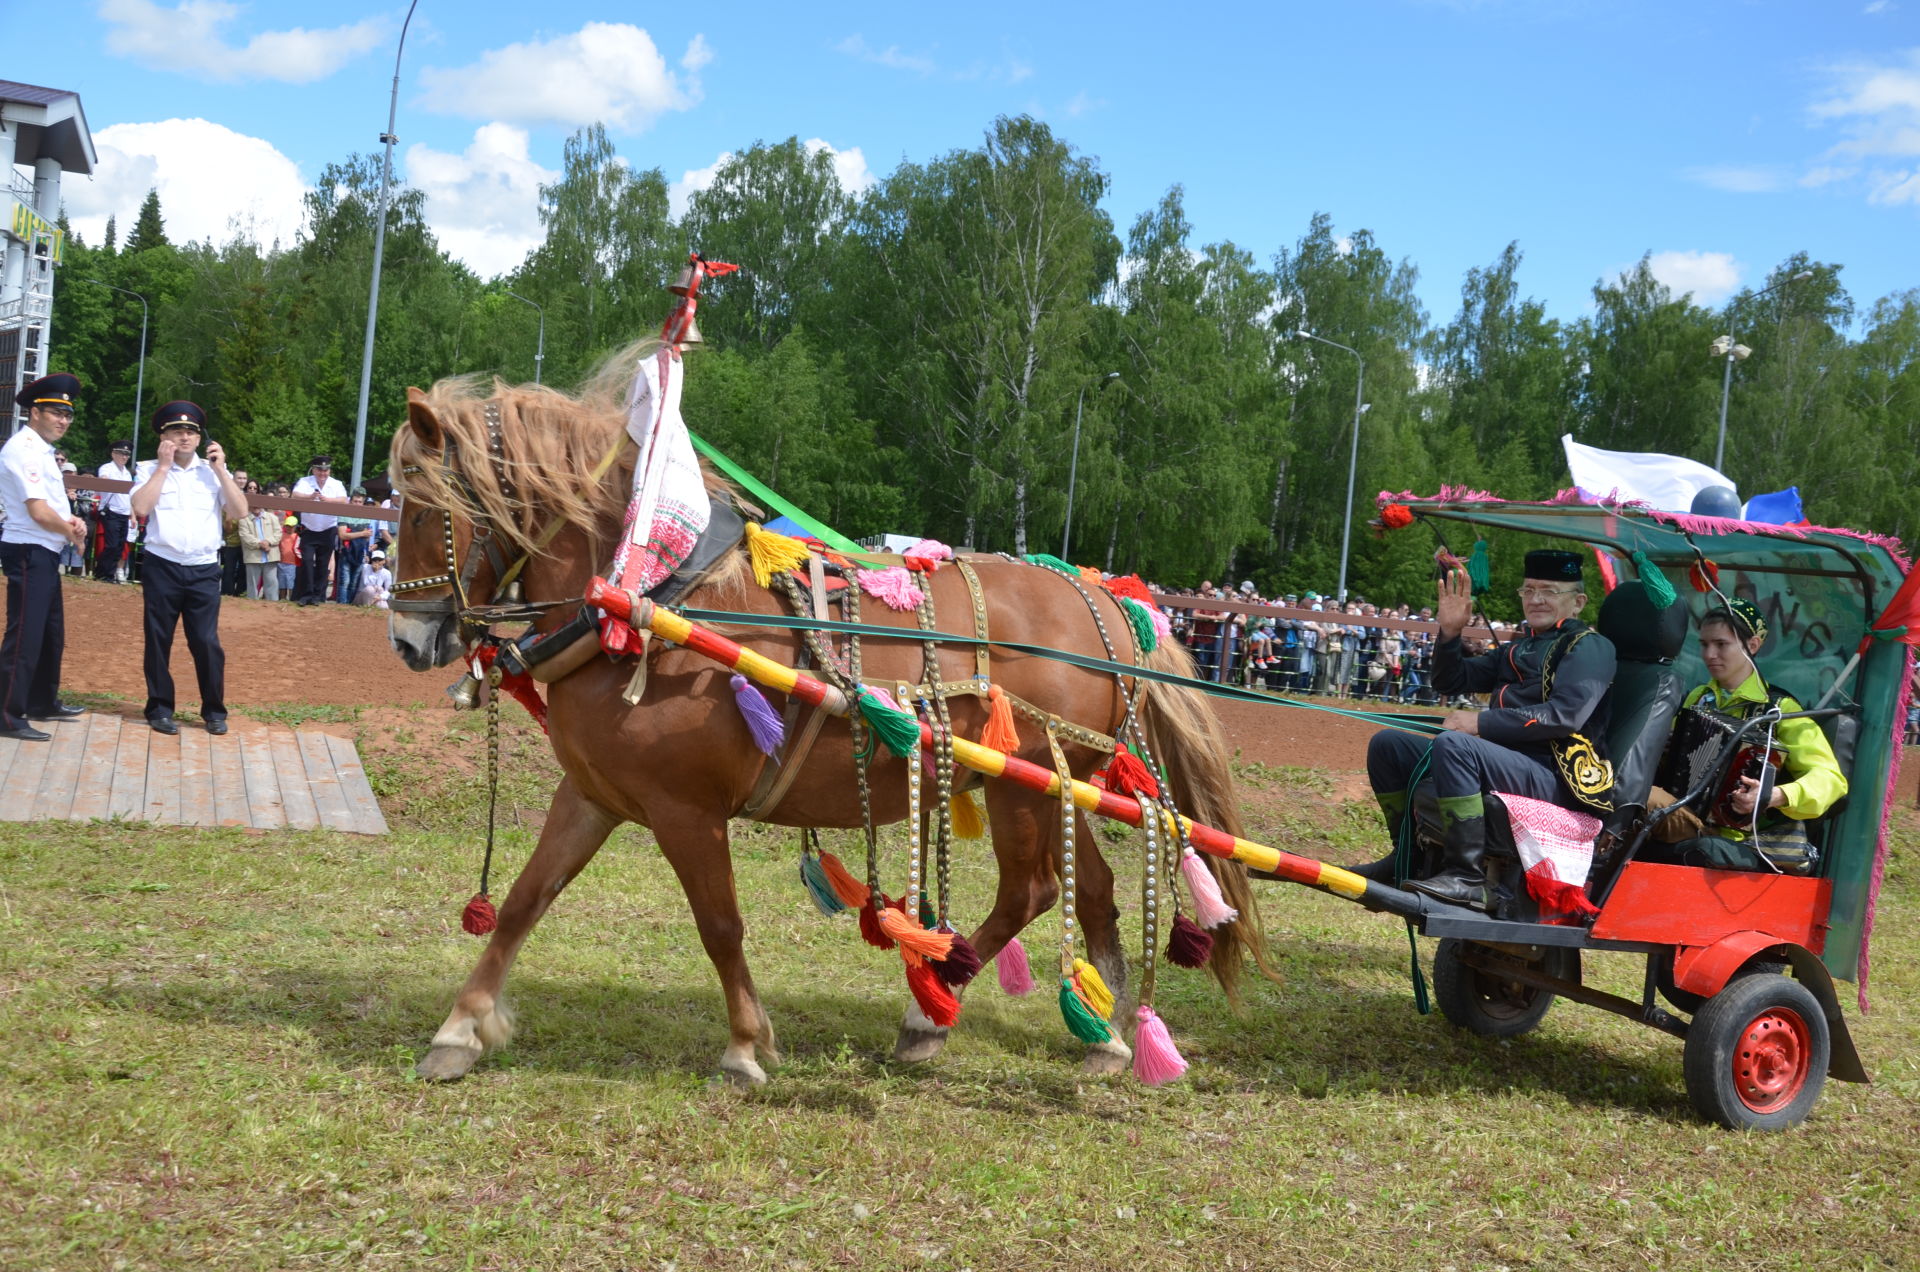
{"points": [[1186, 737]]}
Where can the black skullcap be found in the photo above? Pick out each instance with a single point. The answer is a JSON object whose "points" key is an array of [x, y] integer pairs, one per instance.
{"points": [[1554, 565]]}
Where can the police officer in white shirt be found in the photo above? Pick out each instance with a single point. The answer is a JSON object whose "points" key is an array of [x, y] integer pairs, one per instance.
{"points": [[114, 512], [317, 533], [187, 502], [40, 525]]}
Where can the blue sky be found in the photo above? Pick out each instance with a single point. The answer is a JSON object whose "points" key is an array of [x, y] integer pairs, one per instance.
{"points": [[1719, 137]]}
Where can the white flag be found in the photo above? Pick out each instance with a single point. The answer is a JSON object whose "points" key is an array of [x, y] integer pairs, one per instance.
{"points": [[1666, 482]]}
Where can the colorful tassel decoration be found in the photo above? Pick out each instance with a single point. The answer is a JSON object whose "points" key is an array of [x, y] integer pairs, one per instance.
{"points": [[964, 808], [892, 587], [871, 930], [1052, 563], [935, 1000], [1704, 575], [1659, 591], [1127, 774], [962, 962], [763, 722], [819, 887], [479, 918], [1016, 977], [1210, 909], [852, 893], [1394, 516], [1141, 620], [1155, 1059], [910, 936], [1130, 586], [772, 553], [928, 919], [1092, 989], [930, 550], [1081, 1023], [897, 731], [1001, 734], [1162, 625], [1479, 568], [1188, 945]]}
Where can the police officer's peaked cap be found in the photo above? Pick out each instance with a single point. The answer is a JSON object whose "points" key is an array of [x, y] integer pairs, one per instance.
{"points": [[58, 389], [1553, 564], [180, 415], [321, 461], [122, 445]]}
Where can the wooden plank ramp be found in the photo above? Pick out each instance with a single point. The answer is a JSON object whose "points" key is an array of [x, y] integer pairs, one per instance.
{"points": [[102, 767]]}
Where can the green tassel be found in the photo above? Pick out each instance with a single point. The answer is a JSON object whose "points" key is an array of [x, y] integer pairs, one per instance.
{"points": [[928, 919], [1143, 633], [1479, 569], [1659, 591], [1082, 1023], [897, 731], [1052, 563], [813, 877]]}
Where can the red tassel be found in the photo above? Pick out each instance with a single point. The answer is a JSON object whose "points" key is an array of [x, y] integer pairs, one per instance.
{"points": [[852, 892], [936, 1001], [870, 930], [1188, 945], [1127, 774], [1394, 516], [1560, 902], [479, 918], [962, 962], [1704, 575], [519, 687], [1001, 734]]}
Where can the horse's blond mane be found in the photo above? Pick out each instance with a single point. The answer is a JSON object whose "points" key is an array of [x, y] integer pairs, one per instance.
{"points": [[550, 444]]}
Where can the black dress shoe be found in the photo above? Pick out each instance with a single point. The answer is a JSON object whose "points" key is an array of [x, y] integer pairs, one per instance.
{"points": [[163, 724], [25, 733], [1458, 889], [216, 724], [61, 711]]}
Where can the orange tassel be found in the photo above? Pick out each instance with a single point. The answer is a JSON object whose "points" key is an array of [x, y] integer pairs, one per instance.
{"points": [[911, 937], [1000, 734], [852, 892]]}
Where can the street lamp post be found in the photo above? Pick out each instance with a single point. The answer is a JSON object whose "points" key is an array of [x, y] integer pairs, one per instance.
{"points": [[1073, 469], [379, 250], [140, 380], [540, 348], [1353, 459], [1738, 353]]}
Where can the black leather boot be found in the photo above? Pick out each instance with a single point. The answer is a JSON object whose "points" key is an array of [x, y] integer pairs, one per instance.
{"points": [[1380, 871], [1462, 880]]}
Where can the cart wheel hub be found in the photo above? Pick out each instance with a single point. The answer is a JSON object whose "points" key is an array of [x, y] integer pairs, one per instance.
{"points": [[1770, 1065]]}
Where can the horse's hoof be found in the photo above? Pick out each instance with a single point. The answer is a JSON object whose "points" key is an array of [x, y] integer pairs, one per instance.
{"points": [[917, 1046], [446, 1064], [744, 1074], [1107, 1058]]}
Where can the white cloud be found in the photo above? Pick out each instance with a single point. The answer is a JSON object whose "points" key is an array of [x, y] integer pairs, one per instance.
{"points": [[212, 181], [187, 38], [1740, 178], [606, 72], [1875, 107], [856, 46], [1081, 104], [849, 165], [1896, 187], [484, 204], [1880, 6], [691, 182], [1711, 277]]}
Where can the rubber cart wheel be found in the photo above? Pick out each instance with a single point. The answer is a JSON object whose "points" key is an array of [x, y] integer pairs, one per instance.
{"points": [[1757, 1054], [1487, 1004]]}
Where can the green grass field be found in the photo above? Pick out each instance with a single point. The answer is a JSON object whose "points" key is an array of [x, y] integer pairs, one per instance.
{"points": [[206, 1044]]}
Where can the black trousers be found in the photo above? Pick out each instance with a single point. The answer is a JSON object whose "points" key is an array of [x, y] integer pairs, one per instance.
{"points": [[113, 544], [316, 554], [36, 633], [233, 572], [185, 596]]}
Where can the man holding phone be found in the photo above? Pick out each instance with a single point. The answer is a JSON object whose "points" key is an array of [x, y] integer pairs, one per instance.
{"points": [[187, 502]]}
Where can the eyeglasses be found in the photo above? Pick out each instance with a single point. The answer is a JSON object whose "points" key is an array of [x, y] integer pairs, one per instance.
{"points": [[1544, 593]]}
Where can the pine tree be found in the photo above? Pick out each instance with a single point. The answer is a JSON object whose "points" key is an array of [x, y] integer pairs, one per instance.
{"points": [[110, 248], [148, 229]]}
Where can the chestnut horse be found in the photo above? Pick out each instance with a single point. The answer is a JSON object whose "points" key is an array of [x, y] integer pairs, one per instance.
{"points": [[682, 761]]}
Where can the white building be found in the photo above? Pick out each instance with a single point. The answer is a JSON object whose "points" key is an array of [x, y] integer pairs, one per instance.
{"points": [[44, 131]]}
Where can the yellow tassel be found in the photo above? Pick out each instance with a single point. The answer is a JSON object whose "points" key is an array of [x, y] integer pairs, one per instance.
{"points": [[772, 553], [967, 822], [1000, 734], [1092, 990]]}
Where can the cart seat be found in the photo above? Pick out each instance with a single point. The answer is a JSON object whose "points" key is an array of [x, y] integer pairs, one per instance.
{"points": [[1646, 691]]}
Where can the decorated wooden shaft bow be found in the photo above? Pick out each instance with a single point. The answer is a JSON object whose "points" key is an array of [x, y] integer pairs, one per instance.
{"points": [[1093, 799]]}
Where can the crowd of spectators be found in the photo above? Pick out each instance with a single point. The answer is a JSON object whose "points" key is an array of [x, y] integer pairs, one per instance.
{"points": [[262, 551]]}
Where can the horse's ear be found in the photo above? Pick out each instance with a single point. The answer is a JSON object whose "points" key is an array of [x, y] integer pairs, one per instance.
{"points": [[421, 419]]}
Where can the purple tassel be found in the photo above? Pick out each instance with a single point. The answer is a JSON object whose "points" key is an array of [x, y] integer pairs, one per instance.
{"points": [[1187, 944], [762, 720], [962, 962]]}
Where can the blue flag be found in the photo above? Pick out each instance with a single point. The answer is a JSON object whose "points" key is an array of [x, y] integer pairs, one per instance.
{"points": [[1781, 508]]}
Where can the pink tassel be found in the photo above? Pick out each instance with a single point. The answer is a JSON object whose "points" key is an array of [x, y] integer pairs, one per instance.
{"points": [[1162, 625], [762, 721], [1155, 1059], [1210, 909], [1016, 977], [893, 587], [931, 550]]}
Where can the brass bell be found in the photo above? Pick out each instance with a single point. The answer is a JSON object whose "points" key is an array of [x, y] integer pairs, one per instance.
{"points": [[510, 594], [682, 284], [692, 334], [465, 692]]}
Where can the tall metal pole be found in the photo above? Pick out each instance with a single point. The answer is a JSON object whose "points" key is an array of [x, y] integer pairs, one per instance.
{"points": [[140, 380], [379, 250], [1353, 460], [540, 347], [1726, 381], [1073, 469]]}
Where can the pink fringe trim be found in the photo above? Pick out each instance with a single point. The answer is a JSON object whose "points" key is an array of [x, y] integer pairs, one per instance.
{"points": [[1016, 977], [892, 587], [1155, 1059]]}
